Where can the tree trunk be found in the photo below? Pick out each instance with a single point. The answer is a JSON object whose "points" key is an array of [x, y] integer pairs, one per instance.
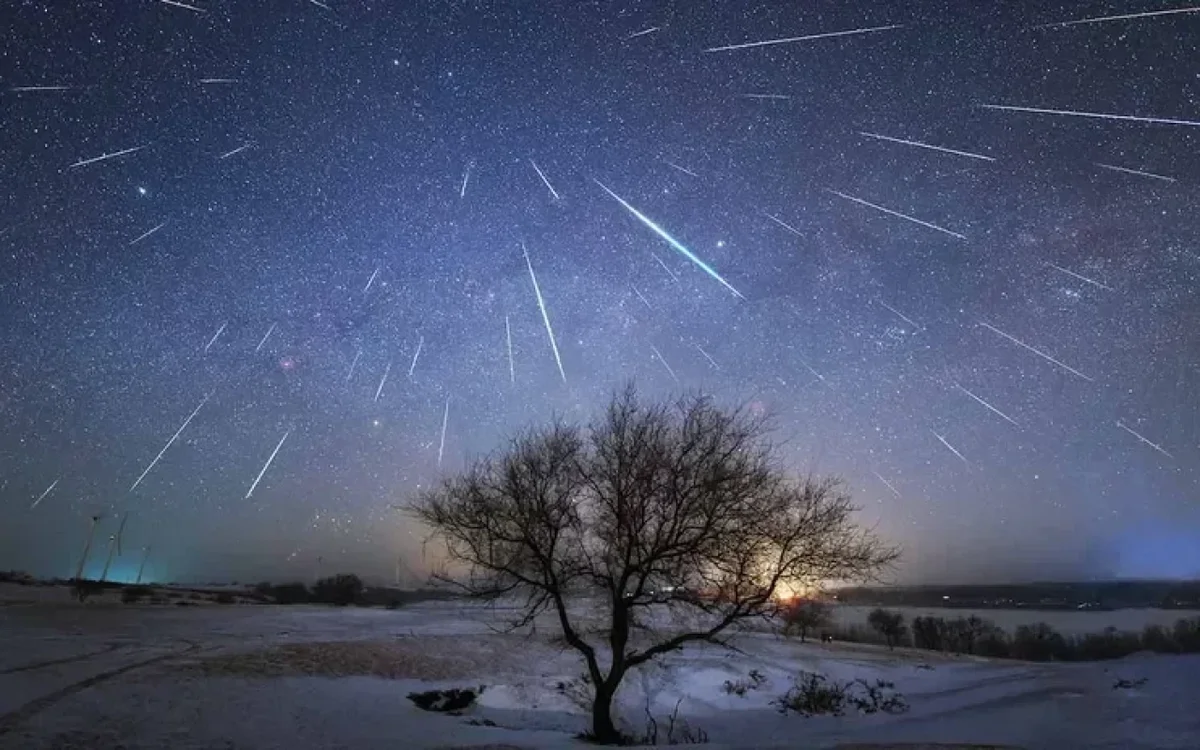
{"points": [[604, 732]]}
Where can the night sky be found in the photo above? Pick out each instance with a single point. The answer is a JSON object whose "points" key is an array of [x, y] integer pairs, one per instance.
{"points": [[322, 217]]}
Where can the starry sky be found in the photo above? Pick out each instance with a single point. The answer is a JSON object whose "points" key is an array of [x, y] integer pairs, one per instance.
{"points": [[309, 232]]}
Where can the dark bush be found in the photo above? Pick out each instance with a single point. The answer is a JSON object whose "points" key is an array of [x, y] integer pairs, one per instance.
{"points": [[224, 598], [929, 633], [289, 593], [1187, 635], [1156, 638], [814, 695], [342, 589], [134, 594], [1039, 642], [888, 624], [444, 701], [1111, 644]]}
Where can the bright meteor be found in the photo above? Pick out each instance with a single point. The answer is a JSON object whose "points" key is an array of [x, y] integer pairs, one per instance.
{"points": [[671, 240]]}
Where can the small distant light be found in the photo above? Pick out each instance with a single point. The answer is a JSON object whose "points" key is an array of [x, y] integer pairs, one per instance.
{"points": [[945, 598], [141, 191]]}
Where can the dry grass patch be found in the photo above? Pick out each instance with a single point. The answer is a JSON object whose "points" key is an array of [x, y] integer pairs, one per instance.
{"points": [[430, 659]]}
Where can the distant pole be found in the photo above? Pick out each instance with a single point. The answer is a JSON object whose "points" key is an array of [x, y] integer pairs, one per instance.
{"points": [[112, 547], [319, 561], [142, 567], [87, 548]]}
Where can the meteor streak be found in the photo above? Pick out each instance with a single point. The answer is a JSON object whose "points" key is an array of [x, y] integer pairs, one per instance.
{"points": [[685, 170], [1081, 277], [1093, 115], [644, 32], [711, 361], [671, 240], [104, 157], [267, 465], [144, 235], [1036, 351], [900, 315], [1124, 17], [370, 281], [174, 437], [237, 150], [642, 297], [445, 421], [383, 380], [545, 316], [19, 89], [810, 37], [543, 176], [1137, 172], [42, 496], [216, 336], [887, 484], [1140, 437], [951, 448], [350, 374], [512, 369], [416, 355], [266, 336], [183, 5], [211, 81], [897, 214], [462, 193], [784, 224], [659, 355], [929, 146], [988, 406], [666, 268], [774, 97]]}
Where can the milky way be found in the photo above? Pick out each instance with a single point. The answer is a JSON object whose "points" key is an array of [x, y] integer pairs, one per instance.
{"points": [[373, 239]]}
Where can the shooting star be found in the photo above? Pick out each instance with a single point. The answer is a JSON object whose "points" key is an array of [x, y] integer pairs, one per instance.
{"points": [[412, 367], [174, 437], [1036, 351], [383, 380], [350, 374], [671, 240], [771, 97], [666, 268], [951, 448], [1137, 172], [816, 374], [543, 176], [545, 316], [1124, 17], [1093, 115], [988, 406], [266, 336], [897, 214], [784, 224], [644, 32], [887, 484], [711, 361], [809, 37], [642, 297], [900, 315], [462, 193], [237, 150], [217, 81], [445, 421], [105, 157], [660, 357], [371, 281], [1142, 438], [216, 336], [929, 146], [685, 170], [1081, 277], [512, 370], [144, 235], [42, 496], [185, 6], [20, 89], [267, 465]]}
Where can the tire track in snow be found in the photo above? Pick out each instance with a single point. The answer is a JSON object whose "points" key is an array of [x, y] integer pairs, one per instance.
{"points": [[56, 662], [14, 719]]}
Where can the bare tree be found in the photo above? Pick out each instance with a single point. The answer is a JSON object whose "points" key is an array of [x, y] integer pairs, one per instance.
{"points": [[674, 508], [804, 616]]}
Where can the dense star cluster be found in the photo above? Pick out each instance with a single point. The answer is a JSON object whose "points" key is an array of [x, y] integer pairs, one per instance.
{"points": [[266, 268]]}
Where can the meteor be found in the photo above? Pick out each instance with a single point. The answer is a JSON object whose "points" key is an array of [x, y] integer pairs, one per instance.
{"points": [[711, 361], [174, 437], [1139, 436], [370, 281], [1081, 277], [543, 176], [445, 420], [512, 369], [783, 224], [900, 315], [412, 367], [685, 170], [144, 235], [545, 315], [644, 32], [810, 37], [1093, 115], [1124, 17], [988, 406], [183, 5], [671, 240], [659, 355], [951, 448], [1036, 351], [216, 336], [267, 465], [18, 89], [237, 150], [386, 371], [1137, 172], [42, 496], [104, 157], [266, 336], [897, 214], [929, 146], [887, 484]]}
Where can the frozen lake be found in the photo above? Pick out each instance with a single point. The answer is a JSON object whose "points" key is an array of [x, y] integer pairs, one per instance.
{"points": [[105, 676]]}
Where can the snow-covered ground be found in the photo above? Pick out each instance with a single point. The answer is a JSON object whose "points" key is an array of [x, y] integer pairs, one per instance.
{"points": [[107, 675]]}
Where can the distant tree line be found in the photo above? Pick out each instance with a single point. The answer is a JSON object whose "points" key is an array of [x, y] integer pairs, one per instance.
{"points": [[977, 636]]}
